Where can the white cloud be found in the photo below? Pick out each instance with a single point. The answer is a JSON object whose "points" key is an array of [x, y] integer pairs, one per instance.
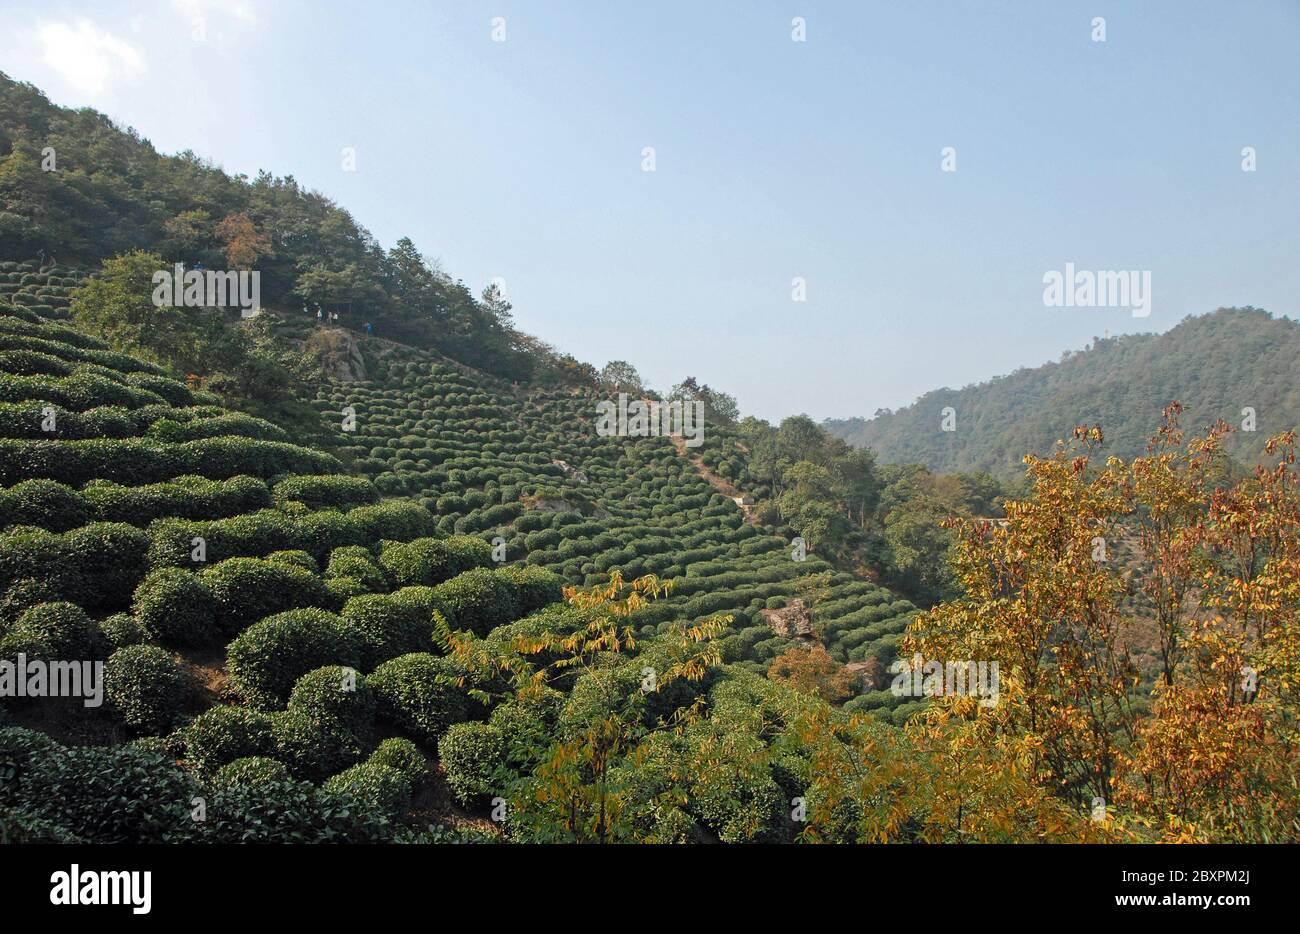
{"points": [[87, 56]]}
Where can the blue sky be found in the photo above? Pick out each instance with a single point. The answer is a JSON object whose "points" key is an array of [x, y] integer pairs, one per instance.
{"points": [[774, 159]]}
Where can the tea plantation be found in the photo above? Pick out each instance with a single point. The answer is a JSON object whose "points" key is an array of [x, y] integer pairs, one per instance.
{"points": [[288, 633]]}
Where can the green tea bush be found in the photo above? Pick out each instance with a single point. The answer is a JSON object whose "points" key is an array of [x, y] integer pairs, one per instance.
{"points": [[480, 600], [176, 608], [52, 631], [44, 503], [430, 561], [223, 734], [250, 589], [145, 686], [403, 755], [338, 697], [416, 693], [268, 657], [389, 625], [313, 749], [250, 772], [473, 758], [380, 788]]}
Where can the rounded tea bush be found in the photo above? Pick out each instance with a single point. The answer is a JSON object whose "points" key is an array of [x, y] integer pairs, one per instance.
{"points": [[389, 625], [312, 749], [336, 696], [403, 755], [223, 734], [268, 657], [249, 772], [431, 561], [377, 786], [473, 756], [250, 589], [45, 503], [123, 629], [415, 693], [176, 608], [145, 686], [480, 600], [55, 631]]}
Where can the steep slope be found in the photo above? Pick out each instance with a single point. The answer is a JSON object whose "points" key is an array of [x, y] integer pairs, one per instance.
{"points": [[271, 617], [1216, 365], [526, 467]]}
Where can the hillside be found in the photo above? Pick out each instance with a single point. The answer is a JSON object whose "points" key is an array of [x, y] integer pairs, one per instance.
{"points": [[378, 574], [228, 578], [1214, 364]]}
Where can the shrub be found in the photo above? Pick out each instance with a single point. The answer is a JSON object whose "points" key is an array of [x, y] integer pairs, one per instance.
{"points": [[223, 734], [403, 755], [357, 562], [107, 794], [250, 589], [431, 561], [338, 697], [416, 693], [296, 558], [176, 608], [480, 600], [145, 686], [123, 629], [329, 491], [537, 587], [378, 787], [389, 625], [44, 503], [288, 811], [250, 772], [313, 749], [267, 658], [54, 631], [108, 560], [473, 758]]}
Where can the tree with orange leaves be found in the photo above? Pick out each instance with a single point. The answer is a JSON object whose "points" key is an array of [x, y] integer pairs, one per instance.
{"points": [[811, 670], [244, 243]]}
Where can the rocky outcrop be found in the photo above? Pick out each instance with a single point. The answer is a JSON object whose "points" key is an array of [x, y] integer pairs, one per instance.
{"points": [[792, 621], [339, 353]]}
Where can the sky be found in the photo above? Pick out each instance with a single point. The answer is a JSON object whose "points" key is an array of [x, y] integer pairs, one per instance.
{"points": [[911, 171]]}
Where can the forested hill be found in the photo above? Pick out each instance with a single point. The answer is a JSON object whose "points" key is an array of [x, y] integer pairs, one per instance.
{"points": [[77, 188], [1215, 364]]}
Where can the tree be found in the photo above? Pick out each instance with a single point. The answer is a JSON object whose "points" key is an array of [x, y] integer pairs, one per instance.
{"points": [[187, 232], [118, 306], [495, 304], [621, 376], [244, 243], [811, 670]]}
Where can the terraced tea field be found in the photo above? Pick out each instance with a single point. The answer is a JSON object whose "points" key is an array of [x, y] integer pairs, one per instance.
{"points": [[527, 470]]}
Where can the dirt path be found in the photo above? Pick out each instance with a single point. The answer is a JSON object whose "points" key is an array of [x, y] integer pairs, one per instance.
{"points": [[718, 483]]}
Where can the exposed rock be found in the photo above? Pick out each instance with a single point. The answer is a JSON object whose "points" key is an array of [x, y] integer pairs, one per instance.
{"points": [[792, 621], [339, 354]]}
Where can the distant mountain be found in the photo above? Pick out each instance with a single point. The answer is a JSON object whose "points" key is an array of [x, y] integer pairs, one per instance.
{"points": [[1216, 365]]}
